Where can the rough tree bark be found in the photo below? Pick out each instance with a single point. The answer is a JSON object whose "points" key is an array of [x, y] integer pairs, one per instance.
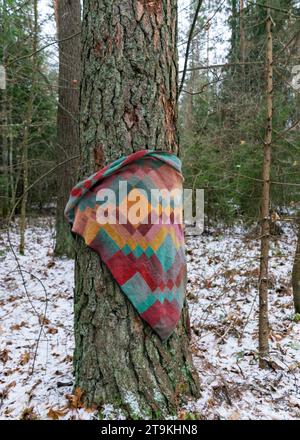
{"points": [[265, 205], [128, 102], [296, 272], [68, 21]]}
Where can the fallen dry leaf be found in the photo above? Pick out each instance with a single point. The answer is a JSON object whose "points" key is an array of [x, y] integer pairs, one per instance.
{"points": [[275, 337], [18, 326], [235, 415], [43, 320], [55, 414], [4, 356], [12, 298], [8, 411], [28, 414], [52, 330], [11, 384], [207, 284], [4, 392], [25, 358], [75, 399]]}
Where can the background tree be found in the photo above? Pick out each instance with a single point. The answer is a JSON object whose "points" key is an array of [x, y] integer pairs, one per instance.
{"points": [[4, 122], [22, 67], [296, 272], [225, 148], [27, 124], [265, 202], [128, 102], [68, 32], [222, 153], [295, 131]]}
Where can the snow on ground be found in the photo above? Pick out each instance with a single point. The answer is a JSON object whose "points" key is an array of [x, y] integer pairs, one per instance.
{"points": [[35, 379], [49, 282], [222, 292]]}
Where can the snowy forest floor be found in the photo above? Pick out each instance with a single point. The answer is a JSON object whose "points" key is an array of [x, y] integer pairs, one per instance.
{"points": [[35, 380]]}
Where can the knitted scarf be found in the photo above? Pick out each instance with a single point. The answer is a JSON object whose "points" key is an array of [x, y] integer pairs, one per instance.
{"points": [[146, 256]]}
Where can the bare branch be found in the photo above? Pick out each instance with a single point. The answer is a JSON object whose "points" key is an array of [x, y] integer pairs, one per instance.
{"points": [[189, 44]]}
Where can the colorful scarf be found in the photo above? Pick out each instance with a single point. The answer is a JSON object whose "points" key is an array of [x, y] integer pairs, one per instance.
{"points": [[147, 257]]}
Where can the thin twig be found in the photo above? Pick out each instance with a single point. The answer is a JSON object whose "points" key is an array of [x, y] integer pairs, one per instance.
{"points": [[14, 60], [187, 51]]}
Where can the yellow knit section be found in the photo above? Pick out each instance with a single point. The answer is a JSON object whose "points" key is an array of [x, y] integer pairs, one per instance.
{"points": [[121, 241]]}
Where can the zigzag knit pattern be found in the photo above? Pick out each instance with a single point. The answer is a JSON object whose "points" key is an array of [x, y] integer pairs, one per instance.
{"points": [[146, 258]]}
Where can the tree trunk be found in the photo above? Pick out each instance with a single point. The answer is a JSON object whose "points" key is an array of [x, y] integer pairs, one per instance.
{"points": [[12, 180], [25, 172], [4, 211], [296, 272], [128, 102], [265, 206], [68, 25], [4, 205], [27, 124], [242, 39]]}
